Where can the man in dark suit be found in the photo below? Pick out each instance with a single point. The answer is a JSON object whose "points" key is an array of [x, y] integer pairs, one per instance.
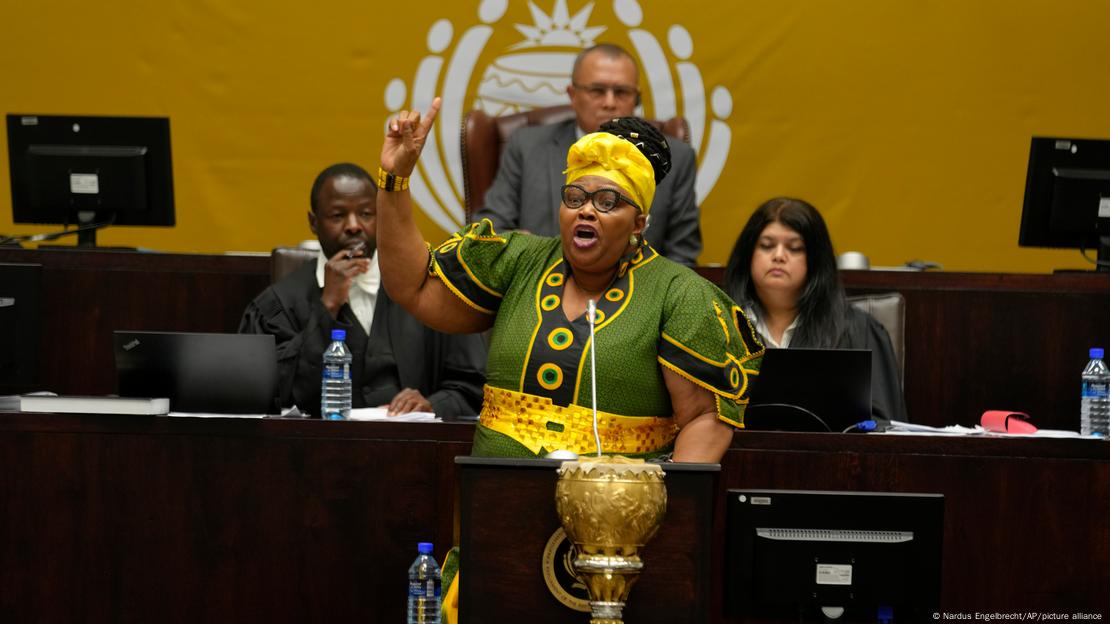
{"points": [[525, 193], [396, 360]]}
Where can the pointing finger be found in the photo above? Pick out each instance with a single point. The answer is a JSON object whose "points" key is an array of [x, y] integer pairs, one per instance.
{"points": [[433, 111]]}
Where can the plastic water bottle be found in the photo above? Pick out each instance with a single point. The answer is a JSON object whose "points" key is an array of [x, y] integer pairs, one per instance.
{"points": [[424, 587], [335, 391], [1094, 415]]}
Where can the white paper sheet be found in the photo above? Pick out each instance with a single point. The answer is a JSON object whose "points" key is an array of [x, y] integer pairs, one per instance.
{"points": [[379, 413]]}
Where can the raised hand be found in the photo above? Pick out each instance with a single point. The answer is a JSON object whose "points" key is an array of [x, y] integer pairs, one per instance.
{"points": [[404, 139]]}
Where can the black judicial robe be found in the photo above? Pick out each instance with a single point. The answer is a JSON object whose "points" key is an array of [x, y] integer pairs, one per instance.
{"points": [[862, 331], [400, 352]]}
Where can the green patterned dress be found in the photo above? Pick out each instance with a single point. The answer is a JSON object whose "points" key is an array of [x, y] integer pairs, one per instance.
{"points": [[655, 314]]}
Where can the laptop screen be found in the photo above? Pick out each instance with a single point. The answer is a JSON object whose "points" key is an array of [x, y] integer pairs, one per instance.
{"points": [[211, 373], [20, 311], [810, 390]]}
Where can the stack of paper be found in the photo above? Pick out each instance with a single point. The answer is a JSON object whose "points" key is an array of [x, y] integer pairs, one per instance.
{"points": [[93, 405]]}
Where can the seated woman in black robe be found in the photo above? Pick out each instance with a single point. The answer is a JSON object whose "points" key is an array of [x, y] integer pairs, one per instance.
{"points": [[783, 273]]}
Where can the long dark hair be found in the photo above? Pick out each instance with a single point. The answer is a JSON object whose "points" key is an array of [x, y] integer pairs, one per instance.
{"points": [[822, 306]]}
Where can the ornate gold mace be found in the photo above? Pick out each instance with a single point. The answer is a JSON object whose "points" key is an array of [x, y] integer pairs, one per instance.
{"points": [[610, 507]]}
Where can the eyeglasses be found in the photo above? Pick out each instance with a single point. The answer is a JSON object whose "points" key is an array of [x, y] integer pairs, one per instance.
{"points": [[598, 91], [604, 200]]}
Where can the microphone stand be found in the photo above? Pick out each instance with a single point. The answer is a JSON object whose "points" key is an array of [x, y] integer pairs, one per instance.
{"points": [[591, 314]]}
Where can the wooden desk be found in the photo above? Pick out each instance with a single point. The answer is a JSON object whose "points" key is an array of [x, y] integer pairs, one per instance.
{"points": [[86, 295], [974, 341], [980, 341], [1026, 520], [158, 519], [139, 519]]}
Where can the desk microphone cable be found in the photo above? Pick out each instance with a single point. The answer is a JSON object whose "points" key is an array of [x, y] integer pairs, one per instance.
{"points": [[863, 425], [49, 236]]}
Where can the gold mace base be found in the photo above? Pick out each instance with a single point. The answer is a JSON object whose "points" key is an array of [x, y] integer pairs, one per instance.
{"points": [[609, 507], [609, 581]]}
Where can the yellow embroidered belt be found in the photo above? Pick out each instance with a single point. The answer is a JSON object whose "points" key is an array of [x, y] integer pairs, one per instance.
{"points": [[538, 424]]}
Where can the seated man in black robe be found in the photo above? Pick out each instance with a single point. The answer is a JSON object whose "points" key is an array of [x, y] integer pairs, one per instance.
{"points": [[396, 361]]}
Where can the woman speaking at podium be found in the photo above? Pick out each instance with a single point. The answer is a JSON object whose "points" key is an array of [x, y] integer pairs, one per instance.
{"points": [[674, 355]]}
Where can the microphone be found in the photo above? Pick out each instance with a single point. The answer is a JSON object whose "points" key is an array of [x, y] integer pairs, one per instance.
{"points": [[591, 314], [356, 248]]}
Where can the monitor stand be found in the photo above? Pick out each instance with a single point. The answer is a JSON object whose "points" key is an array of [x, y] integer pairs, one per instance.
{"points": [[86, 229], [1102, 259]]}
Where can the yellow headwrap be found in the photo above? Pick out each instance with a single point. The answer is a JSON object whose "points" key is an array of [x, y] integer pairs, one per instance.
{"points": [[613, 158]]}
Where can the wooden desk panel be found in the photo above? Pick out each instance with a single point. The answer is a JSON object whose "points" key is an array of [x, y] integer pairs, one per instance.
{"points": [[986, 341], [1025, 523], [86, 295], [504, 541], [979, 341], [137, 519], [156, 519]]}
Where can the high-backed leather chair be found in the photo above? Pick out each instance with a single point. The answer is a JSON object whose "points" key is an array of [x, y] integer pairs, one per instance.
{"points": [[285, 260], [484, 137], [890, 310]]}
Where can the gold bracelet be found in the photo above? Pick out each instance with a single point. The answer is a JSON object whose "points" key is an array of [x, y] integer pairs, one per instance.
{"points": [[390, 182]]}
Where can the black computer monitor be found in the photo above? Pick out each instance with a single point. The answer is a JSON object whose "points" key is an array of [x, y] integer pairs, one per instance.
{"points": [[90, 171], [1067, 196], [855, 556]]}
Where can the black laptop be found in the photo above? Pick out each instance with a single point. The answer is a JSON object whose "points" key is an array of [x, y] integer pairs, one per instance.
{"points": [[20, 311], [810, 390], [211, 373]]}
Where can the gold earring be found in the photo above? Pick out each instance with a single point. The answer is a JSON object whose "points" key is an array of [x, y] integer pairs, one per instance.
{"points": [[633, 240]]}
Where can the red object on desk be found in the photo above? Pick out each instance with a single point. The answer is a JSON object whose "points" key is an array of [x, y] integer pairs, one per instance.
{"points": [[1002, 421]]}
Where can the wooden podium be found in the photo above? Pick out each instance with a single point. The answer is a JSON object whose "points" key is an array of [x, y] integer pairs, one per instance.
{"points": [[507, 518]]}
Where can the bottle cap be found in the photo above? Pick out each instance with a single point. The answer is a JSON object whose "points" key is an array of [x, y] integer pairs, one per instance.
{"points": [[338, 334], [1097, 353], [425, 548]]}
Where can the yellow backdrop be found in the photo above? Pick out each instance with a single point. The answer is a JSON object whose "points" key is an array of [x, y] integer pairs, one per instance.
{"points": [[906, 123]]}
